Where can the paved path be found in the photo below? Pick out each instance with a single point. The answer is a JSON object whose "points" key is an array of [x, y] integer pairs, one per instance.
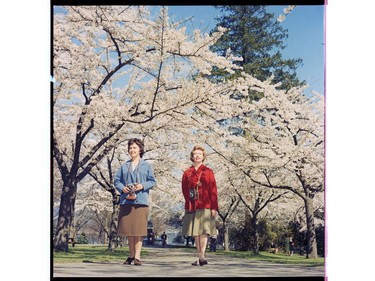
{"points": [[174, 262]]}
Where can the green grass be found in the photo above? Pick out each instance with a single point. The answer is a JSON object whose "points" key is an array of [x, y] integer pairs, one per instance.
{"points": [[92, 253], [275, 258], [99, 253]]}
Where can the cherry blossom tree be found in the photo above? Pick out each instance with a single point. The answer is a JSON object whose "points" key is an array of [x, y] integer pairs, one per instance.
{"points": [[255, 202], [117, 73], [93, 210], [235, 188], [103, 175], [286, 11], [282, 146]]}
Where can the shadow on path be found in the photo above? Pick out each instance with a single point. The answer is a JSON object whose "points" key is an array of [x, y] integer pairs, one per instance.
{"points": [[176, 262]]}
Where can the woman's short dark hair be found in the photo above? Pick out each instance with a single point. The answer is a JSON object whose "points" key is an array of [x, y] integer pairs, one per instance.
{"points": [[140, 145]]}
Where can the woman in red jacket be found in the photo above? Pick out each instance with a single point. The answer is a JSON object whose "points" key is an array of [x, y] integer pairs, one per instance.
{"points": [[201, 206]]}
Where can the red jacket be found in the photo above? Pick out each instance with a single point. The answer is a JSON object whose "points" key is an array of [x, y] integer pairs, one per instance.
{"points": [[207, 190]]}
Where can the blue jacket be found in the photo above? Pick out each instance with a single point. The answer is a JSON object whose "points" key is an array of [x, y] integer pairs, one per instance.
{"points": [[146, 178]]}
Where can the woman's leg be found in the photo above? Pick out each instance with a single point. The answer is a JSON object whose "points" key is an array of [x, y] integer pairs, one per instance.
{"points": [[131, 243], [202, 245], [138, 240], [197, 245]]}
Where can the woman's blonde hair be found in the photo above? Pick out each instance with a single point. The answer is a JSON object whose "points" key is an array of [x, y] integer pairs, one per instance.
{"points": [[198, 147]]}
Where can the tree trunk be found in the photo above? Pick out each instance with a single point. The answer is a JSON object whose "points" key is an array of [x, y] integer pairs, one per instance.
{"points": [[311, 251], [226, 236], [66, 217], [255, 234], [113, 239]]}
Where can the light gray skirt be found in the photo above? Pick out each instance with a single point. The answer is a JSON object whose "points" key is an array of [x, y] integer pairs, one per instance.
{"points": [[198, 223]]}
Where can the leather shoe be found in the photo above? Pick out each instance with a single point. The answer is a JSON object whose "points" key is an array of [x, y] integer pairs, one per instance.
{"points": [[137, 262], [128, 260], [202, 262], [194, 263]]}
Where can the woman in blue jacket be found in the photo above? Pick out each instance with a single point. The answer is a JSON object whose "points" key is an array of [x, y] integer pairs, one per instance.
{"points": [[134, 180]]}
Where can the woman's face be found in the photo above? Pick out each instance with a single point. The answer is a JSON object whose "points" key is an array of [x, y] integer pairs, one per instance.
{"points": [[198, 156], [134, 150]]}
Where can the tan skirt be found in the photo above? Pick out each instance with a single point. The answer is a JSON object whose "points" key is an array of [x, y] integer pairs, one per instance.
{"points": [[132, 220], [198, 222]]}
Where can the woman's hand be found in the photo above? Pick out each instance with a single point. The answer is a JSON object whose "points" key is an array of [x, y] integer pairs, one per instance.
{"points": [[214, 214], [138, 187]]}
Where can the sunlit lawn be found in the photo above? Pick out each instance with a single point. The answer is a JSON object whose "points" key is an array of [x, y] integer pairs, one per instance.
{"points": [[92, 253], [99, 253], [275, 258]]}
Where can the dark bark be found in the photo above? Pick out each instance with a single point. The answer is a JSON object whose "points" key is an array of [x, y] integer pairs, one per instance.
{"points": [[226, 236], [254, 225], [66, 217], [113, 238], [311, 247], [225, 216]]}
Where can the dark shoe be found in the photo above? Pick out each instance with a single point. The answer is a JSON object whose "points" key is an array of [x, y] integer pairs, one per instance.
{"points": [[203, 262], [194, 263], [128, 260], [137, 262]]}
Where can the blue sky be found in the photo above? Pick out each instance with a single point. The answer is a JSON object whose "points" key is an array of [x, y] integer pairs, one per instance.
{"points": [[305, 25]]}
